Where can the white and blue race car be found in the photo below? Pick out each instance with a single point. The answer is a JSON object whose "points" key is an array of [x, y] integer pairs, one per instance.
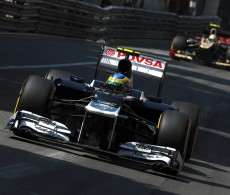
{"points": [[109, 117]]}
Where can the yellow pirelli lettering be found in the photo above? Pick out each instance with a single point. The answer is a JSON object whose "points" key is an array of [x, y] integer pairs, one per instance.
{"points": [[159, 121], [16, 106], [19, 97]]}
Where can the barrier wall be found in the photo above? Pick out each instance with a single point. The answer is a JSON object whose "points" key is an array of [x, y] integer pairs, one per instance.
{"points": [[87, 21]]}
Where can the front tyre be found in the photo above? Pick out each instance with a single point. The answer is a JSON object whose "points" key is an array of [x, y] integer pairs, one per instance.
{"points": [[194, 114], [35, 95], [178, 43], [173, 131]]}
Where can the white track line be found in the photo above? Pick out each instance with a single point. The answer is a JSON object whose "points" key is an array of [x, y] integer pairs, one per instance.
{"points": [[47, 66]]}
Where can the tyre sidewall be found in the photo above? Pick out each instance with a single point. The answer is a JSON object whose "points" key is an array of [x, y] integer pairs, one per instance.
{"points": [[178, 43], [173, 131], [194, 114], [36, 95]]}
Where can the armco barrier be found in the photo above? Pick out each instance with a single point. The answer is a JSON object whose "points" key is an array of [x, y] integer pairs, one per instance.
{"points": [[82, 20]]}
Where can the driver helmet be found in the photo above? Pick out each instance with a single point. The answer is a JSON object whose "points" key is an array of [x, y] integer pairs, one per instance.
{"points": [[125, 67], [118, 83], [213, 31], [212, 38]]}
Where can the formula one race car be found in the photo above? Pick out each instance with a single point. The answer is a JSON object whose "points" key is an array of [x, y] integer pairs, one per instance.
{"points": [[109, 116], [212, 48]]}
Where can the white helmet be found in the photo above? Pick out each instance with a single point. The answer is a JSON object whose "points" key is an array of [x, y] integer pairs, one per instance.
{"points": [[212, 38]]}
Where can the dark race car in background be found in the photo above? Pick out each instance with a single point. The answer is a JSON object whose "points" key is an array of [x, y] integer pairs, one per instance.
{"points": [[62, 106], [211, 48]]}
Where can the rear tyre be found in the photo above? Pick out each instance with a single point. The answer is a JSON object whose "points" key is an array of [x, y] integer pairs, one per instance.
{"points": [[35, 95], [173, 131], [56, 74], [194, 114]]}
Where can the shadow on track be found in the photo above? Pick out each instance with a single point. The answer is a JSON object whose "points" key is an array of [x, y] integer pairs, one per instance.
{"points": [[25, 173]]}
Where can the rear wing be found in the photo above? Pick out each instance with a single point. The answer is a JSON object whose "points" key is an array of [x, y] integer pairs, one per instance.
{"points": [[109, 57], [219, 31]]}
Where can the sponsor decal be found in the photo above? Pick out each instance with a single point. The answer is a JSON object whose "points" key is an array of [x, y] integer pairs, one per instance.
{"points": [[47, 122], [110, 52], [110, 104], [45, 130], [138, 154], [144, 147], [142, 60], [137, 59]]}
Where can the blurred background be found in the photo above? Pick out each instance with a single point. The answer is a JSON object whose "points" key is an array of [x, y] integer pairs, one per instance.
{"points": [[113, 21], [183, 7]]}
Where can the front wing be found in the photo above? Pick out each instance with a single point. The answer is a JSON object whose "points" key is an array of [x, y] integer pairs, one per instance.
{"points": [[25, 122], [184, 55], [164, 158], [181, 54]]}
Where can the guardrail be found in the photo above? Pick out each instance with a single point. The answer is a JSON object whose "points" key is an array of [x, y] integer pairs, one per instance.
{"points": [[87, 21]]}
